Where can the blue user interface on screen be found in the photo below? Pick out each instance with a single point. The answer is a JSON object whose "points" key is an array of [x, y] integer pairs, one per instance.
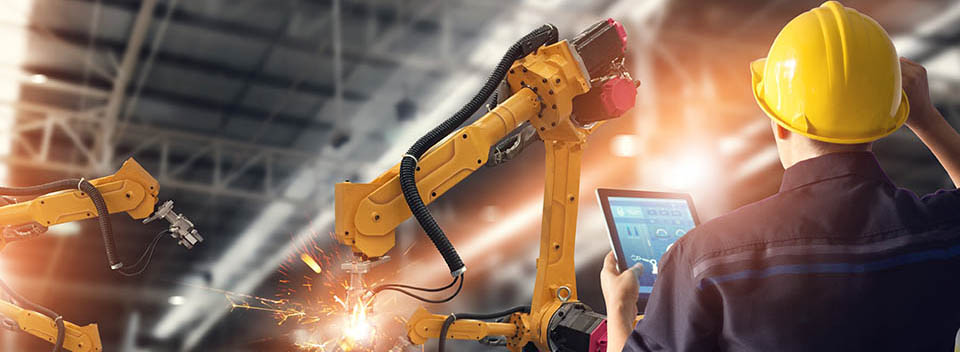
{"points": [[647, 227]]}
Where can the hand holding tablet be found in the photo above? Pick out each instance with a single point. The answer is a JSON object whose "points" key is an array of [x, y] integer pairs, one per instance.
{"points": [[642, 226]]}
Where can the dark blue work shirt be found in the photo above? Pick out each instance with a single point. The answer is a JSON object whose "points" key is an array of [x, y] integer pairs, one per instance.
{"points": [[839, 260]]}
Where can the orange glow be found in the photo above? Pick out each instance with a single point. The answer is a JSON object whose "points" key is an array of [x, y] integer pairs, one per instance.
{"points": [[689, 171], [624, 145], [307, 259], [330, 315], [358, 331]]}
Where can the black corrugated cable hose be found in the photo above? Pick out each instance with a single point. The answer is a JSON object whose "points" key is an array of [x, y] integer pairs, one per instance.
{"points": [[106, 227], [39, 189], [453, 317], [26, 304], [546, 34]]}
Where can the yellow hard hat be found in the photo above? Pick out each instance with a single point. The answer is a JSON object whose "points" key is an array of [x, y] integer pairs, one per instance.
{"points": [[832, 75]]}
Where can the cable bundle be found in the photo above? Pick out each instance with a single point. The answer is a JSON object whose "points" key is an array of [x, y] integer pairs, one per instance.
{"points": [[544, 35]]}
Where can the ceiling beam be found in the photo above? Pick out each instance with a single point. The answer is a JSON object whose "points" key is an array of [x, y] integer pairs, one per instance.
{"points": [[131, 56], [230, 160], [302, 123], [936, 44], [422, 26], [238, 97], [229, 70]]}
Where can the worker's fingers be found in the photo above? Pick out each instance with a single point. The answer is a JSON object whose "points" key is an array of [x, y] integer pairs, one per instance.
{"points": [[915, 85], [911, 69], [637, 270], [610, 263]]}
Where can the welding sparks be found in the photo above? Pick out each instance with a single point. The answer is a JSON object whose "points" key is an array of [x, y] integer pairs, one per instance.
{"points": [[283, 309], [358, 331], [307, 259], [330, 313]]}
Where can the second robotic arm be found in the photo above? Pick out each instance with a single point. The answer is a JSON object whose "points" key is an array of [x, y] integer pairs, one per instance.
{"points": [[131, 190]]}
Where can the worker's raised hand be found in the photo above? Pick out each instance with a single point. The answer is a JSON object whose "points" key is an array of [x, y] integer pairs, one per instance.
{"points": [[620, 292], [619, 288], [926, 122], [914, 83]]}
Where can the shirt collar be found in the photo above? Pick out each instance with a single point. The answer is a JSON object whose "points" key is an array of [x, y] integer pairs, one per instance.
{"points": [[831, 166]]}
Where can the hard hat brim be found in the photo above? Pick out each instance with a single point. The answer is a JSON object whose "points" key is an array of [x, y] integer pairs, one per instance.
{"points": [[756, 70]]}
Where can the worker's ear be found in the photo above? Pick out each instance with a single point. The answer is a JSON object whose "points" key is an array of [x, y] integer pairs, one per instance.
{"points": [[782, 133]]}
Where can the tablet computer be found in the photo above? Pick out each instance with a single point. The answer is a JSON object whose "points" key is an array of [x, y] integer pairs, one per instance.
{"points": [[642, 226]]}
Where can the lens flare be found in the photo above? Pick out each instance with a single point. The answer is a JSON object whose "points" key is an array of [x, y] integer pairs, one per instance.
{"points": [[358, 332], [687, 172]]}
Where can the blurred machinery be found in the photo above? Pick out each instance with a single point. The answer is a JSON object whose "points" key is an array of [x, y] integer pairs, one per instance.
{"points": [[131, 190], [556, 91]]}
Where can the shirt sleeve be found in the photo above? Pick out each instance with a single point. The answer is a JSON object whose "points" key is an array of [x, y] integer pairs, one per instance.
{"points": [[950, 195], [679, 316], [942, 205]]}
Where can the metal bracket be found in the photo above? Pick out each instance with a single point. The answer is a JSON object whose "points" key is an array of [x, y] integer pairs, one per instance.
{"points": [[356, 267], [180, 229]]}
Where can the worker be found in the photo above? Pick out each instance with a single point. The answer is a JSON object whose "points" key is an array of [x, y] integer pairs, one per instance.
{"points": [[839, 259]]}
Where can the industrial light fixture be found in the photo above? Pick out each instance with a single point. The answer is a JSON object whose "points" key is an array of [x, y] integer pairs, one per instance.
{"points": [[624, 145], [687, 172], [176, 300], [406, 109], [65, 229], [38, 79]]}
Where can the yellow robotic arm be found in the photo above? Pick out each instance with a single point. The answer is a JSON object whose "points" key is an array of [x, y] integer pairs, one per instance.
{"points": [[561, 92], [131, 190], [75, 338]]}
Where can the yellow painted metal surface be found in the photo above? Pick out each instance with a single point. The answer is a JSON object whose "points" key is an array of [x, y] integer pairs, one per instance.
{"points": [[76, 338], [423, 326], [555, 76], [130, 190], [367, 213], [555, 268]]}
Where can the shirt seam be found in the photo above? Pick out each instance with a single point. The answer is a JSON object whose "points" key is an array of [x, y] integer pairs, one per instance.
{"points": [[867, 236], [848, 174]]}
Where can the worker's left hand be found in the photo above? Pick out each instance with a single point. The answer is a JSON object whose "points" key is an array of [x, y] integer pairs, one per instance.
{"points": [[914, 82], [620, 290]]}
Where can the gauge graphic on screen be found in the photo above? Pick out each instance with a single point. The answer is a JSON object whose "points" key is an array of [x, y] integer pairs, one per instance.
{"points": [[662, 233]]}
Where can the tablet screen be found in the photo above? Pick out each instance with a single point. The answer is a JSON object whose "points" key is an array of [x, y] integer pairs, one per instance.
{"points": [[646, 228]]}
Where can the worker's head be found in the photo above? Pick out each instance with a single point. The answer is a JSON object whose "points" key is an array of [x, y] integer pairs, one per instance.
{"points": [[795, 147], [830, 83]]}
